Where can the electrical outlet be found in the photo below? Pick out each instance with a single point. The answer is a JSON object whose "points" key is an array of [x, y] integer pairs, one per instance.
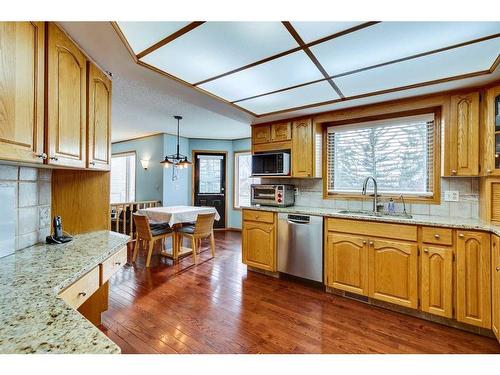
{"points": [[296, 191], [451, 196]]}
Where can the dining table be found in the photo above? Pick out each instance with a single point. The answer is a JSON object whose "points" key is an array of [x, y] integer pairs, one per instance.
{"points": [[176, 216]]}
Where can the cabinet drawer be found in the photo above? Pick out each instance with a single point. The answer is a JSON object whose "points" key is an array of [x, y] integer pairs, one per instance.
{"points": [[261, 216], [439, 236], [113, 264], [77, 293], [388, 230]]}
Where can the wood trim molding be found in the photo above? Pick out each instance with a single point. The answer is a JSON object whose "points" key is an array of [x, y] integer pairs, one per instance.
{"points": [[402, 59], [170, 38], [311, 56]]}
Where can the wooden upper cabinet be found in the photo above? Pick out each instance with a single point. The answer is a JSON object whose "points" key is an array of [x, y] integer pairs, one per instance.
{"points": [[259, 244], [22, 91], [346, 263], [66, 101], [302, 148], [473, 278], [99, 118], [437, 280], [464, 135], [495, 270], [490, 141], [281, 132], [261, 134], [393, 269]]}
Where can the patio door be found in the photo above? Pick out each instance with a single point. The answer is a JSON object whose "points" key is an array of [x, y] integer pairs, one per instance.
{"points": [[210, 182]]}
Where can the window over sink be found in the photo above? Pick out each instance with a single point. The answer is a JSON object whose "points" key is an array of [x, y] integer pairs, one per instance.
{"points": [[401, 152]]}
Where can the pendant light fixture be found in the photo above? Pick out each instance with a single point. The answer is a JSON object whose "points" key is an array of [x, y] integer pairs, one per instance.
{"points": [[177, 160]]}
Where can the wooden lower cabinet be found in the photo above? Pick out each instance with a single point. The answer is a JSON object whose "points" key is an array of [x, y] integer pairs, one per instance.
{"points": [[393, 272], [259, 244], [473, 278], [346, 263], [495, 269], [436, 280]]}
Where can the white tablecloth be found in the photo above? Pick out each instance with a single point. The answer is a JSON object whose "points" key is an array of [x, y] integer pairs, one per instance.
{"points": [[177, 214]]}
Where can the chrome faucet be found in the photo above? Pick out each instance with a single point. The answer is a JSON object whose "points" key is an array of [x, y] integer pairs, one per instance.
{"points": [[375, 192]]}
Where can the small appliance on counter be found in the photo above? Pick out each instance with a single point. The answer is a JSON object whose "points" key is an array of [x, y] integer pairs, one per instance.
{"points": [[271, 164], [58, 237], [272, 195]]}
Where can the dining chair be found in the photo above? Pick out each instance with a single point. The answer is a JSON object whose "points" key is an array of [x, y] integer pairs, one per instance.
{"points": [[149, 234], [203, 228]]}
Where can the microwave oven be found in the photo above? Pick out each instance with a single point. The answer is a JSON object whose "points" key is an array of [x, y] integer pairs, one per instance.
{"points": [[271, 164]]}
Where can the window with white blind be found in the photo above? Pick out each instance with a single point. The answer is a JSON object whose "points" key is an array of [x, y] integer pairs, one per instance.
{"points": [[399, 152], [123, 177], [242, 178]]}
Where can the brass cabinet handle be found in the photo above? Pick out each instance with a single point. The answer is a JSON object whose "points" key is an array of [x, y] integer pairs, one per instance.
{"points": [[82, 294], [453, 171], [498, 269], [461, 235], [488, 171], [42, 156], [426, 250], [364, 242], [371, 243], [437, 236]]}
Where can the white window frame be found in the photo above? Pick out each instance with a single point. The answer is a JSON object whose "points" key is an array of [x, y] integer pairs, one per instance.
{"points": [[236, 180], [128, 180]]}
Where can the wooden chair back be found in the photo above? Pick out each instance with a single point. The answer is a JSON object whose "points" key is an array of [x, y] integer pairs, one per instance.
{"points": [[142, 227], [204, 224]]}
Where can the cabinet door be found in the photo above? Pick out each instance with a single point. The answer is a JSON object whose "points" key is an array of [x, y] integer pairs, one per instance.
{"points": [[261, 134], [259, 245], [281, 132], [99, 118], [495, 246], [491, 133], [21, 91], [437, 280], [473, 278], [393, 271], [346, 263], [464, 134], [302, 153], [66, 101]]}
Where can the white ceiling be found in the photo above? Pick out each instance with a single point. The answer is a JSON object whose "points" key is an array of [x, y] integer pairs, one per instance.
{"points": [[144, 101], [208, 55]]}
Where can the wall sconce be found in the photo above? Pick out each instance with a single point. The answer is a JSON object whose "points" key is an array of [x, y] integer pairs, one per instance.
{"points": [[145, 164]]}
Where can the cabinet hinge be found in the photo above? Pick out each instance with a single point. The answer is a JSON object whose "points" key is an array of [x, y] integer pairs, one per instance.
{"points": [[418, 302]]}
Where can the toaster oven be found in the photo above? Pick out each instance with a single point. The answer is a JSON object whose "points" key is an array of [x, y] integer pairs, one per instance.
{"points": [[272, 195]]}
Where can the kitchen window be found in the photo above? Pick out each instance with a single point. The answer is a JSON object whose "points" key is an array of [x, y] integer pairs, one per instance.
{"points": [[123, 177], [242, 179], [400, 152]]}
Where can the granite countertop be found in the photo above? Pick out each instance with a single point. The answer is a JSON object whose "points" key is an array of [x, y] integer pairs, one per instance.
{"points": [[436, 221], [32, 317]]}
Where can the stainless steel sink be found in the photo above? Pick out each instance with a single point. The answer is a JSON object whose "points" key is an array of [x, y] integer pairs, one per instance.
{"points": [[376, 214]]}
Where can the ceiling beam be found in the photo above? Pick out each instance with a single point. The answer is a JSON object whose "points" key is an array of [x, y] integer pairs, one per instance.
{"points": [[284, 53], [170, 38], [313, 58], [402, 59]]}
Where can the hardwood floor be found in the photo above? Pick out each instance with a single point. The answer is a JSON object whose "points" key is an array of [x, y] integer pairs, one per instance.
{"points": [[219, 307]]}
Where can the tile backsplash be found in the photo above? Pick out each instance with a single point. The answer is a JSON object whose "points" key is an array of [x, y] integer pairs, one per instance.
{"points": [[311, 194], [31, 203]]}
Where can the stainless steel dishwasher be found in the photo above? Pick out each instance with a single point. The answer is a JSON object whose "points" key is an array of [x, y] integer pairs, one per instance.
{"points": [[300, 246]]}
